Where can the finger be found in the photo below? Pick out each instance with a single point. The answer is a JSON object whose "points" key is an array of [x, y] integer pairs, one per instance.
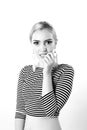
{"points": [[45, 60], [48, 57], [51, 54], [54, 56]]}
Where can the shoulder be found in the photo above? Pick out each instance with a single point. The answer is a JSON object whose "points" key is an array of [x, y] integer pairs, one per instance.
{"points": [[64, 68], [25, 69], [67, 67]]}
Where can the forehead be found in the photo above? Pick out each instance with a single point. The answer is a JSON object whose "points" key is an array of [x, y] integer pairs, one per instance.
{"points": [[42, 35]]}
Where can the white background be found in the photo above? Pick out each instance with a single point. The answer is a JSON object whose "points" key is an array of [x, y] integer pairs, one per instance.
{"points": [[69, 18]]}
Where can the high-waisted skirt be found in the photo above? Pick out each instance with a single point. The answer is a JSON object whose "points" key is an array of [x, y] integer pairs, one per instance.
{"points": [[41, 123]]}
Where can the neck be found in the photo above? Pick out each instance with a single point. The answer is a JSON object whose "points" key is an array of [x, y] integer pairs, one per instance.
{"points": [[39, 64]]}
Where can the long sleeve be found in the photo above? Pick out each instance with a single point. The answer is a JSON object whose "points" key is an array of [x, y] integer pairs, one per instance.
{"points": [[29, 92], [64, 86], [55, 100], [20, 106], [48, 102]]}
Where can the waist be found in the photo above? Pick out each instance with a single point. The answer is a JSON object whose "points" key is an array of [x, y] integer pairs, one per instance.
{"points": [[39, 119], [42, 123]]}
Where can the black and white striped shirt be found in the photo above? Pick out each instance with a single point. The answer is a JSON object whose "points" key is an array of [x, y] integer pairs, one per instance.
{"points": [[29, 91]]}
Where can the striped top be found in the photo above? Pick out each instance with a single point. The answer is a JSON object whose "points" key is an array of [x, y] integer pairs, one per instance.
{"points": [[29, 99]]}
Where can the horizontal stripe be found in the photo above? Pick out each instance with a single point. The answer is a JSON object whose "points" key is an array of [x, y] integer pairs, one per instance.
{"points": [[29, 91]]}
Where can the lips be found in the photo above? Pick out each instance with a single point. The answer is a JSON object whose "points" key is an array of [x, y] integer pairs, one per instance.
{"points": [[43, 54]]}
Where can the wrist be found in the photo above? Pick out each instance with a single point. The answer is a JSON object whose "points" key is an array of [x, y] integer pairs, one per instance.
{"points": [[46, 74]]}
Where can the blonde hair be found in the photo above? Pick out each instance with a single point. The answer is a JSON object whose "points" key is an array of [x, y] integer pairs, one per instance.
{"points": [[43, 25]]}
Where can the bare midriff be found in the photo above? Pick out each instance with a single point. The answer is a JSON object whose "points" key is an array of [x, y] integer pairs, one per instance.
{"points": [[41, 123]]}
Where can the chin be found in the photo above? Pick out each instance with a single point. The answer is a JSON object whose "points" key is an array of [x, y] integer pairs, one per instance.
{"points": [[40, 57]]}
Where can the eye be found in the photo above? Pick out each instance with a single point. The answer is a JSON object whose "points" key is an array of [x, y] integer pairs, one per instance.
{"points": [[49, 42], [36, 43]]}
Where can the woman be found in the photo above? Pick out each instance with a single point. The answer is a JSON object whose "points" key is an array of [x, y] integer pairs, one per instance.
{"points": [[43, 87]]}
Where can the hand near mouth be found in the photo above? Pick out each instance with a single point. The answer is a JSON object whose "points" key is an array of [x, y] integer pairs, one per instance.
{"points": [[49, 61]]}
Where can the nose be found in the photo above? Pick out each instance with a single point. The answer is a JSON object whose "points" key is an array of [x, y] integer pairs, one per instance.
{"points": [[43, 48]]}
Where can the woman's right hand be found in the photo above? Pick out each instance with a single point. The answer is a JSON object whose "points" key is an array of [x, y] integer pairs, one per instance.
{"points": [[49, 61]]}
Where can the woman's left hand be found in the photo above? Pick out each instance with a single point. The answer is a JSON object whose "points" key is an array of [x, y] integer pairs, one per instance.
{"points": [[49, 60]]}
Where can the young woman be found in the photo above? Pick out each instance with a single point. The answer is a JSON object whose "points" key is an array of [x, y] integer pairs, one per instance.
{"points": [[44, 86]]}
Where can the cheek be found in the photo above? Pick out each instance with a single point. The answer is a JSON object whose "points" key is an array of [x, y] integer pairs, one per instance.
{"points": [[53, 46], [35, 50], [50, 48]]}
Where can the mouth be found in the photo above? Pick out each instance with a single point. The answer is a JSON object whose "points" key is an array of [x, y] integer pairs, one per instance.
{"points": [[43, 54]]}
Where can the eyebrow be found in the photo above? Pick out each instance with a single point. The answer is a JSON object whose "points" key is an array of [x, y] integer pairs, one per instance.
{"points": [[45, 40]]}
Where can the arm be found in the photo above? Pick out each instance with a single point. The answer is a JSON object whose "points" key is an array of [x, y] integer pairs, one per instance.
{"points": [[47, 84], [20, 106], [64, 86], [19, 124], [50, 101], [48, 98]]}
